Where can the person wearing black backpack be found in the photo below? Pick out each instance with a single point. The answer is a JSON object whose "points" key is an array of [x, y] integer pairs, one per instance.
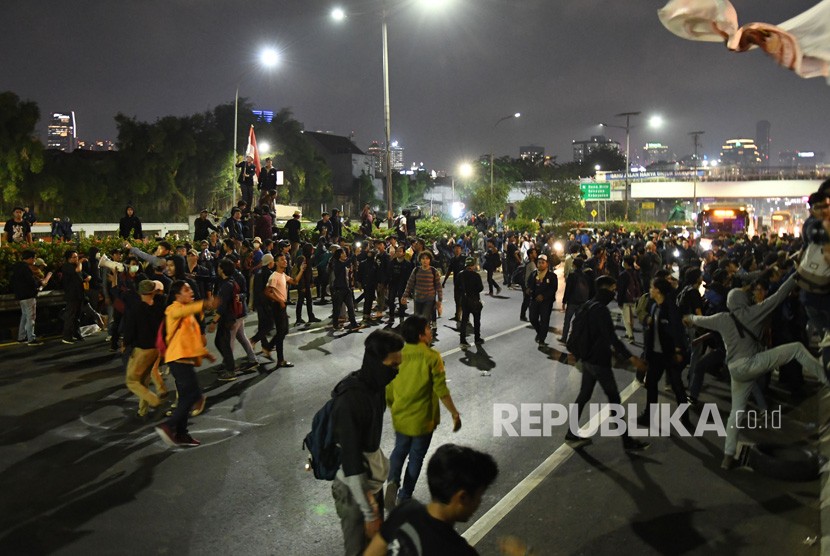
{"points": [[596, 365], [357, 422], [577, 292], [528, 268], [230, 311]]}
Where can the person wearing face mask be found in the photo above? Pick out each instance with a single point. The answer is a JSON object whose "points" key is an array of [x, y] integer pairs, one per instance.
{"points": [[596, 367], [357, 422]]}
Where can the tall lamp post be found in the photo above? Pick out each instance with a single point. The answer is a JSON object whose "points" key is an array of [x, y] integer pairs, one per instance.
{"points": [[695, 135], [627, 128], [268, 58], [338, 14], [500, 120]]}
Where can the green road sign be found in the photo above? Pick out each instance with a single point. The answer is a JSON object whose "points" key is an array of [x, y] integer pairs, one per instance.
{"points": [[600, 191]]}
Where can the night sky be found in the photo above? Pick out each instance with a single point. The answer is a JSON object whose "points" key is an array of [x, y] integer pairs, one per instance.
{"points": [[564, 64]]}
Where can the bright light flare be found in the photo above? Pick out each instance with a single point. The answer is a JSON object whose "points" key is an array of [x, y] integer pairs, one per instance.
{"points": [[465, 169], [558, 247], [655, 122], [269, 57], [517, 115], [264, 147], [431, 4], [338, 14], [457, 209]]}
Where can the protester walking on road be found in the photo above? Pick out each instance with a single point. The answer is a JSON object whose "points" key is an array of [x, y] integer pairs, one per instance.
{"points": [[357, 420], [413, 398], [141, 324], [542, 285], [471, 288], [186, 347], [596, 365], [424, 286]]}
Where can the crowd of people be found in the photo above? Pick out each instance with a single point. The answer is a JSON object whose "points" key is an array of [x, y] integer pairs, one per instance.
{"points": [[701, 311]]}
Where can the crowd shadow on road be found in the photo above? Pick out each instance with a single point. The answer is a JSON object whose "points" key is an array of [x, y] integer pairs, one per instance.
{"points": [[478, 358], [665, 527]]}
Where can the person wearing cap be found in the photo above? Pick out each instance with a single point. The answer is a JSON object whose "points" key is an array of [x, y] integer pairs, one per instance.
{"points": [[25, 286], [17, 229], [142, 319], [542, 285], [202, 226], [471, 287]]}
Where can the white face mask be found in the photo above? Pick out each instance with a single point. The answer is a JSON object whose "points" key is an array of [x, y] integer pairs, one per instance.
{"points": [[134, 268]]}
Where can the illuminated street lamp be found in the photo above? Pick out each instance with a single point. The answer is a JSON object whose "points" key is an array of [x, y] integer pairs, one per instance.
{"points": [[695, 135], [268, 59], [339, 14], [654, 121], [500, 120]]}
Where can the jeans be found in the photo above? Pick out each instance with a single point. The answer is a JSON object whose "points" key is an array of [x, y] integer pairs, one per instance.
{"points": [[491, 283], [540, 318], [426, 309], [745, 371], [415, 448], [28, 314], [395, 293], [222, 341], [304, 295], [339, 297], [470, 307], [189, 393], [281, 324], [72, 319], [238, 332], [265, 323], [591, 374]]}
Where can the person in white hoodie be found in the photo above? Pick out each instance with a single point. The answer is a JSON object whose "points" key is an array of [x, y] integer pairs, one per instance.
{"points": [[746, 358]]}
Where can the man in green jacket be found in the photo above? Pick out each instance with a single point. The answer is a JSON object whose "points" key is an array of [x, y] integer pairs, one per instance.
{"points": [[413, 402]]}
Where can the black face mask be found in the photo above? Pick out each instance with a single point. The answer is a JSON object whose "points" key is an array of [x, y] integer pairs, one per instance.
{"points": [[604, 296]]}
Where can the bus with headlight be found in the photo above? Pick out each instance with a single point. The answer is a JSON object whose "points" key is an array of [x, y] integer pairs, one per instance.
{"points": [[781, 223], [716, 220]]}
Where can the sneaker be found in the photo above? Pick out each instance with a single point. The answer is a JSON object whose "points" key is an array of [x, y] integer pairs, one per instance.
{"points": [[390, 499], [187, 440], [479, 341], [314, 319], [227, 376], [576, 442], [299, 322], [727, 463], [464, 344], [353, 326], [166, 434], [68, 342], [498, 292], [34, 343], [198, 407], [635, 445], [287, 364]]}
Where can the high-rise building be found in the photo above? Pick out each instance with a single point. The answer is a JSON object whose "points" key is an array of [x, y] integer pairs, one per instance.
{"points": [[62, 132], [597, 142], [532, 153], [742, 153], [763, 141], [654, 153], [375, 152], [396, 152], [264, 115]]}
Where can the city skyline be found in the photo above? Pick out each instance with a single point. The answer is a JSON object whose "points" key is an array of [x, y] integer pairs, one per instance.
{"points": [[453, 73]]}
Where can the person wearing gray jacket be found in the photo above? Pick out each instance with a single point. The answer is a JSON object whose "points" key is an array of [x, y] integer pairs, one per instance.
{"points": [[746, 358]]}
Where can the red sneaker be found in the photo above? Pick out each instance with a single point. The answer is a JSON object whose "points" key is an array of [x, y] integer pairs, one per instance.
{"points": [[187, 440], [166, 434]]}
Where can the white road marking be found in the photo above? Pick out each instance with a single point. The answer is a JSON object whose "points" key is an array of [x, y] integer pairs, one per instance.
{"points": [[493, 337], [494, 515]]}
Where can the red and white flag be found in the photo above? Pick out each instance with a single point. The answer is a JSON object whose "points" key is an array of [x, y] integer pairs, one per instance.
{"points": [[253, 151]]}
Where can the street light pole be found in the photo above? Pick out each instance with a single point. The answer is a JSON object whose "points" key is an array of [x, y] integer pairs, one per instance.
{"points": [[235, 133], [627, 161], [387, 118], [516, 115], [695, 135]]}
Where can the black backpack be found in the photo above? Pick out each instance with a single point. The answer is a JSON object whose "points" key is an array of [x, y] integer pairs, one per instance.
{"points": [[323, 451], [518, 277], [579, 338]]}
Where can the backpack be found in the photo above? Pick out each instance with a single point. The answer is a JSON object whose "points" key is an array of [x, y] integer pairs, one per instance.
{"points": [[813, 272], [518, 277], [323, 451], [237, 306], [161, 336], [684, 300], [641, 308], [579, 339]]}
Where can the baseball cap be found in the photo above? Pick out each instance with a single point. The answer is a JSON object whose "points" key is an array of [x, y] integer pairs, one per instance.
{"points": [[267, 259], [469, 261], [542, 258]]}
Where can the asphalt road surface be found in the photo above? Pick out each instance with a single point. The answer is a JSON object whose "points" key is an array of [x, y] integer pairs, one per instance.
{"points": [[82, 475]]}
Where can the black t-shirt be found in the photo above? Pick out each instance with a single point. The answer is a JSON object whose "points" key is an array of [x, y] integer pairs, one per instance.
{"points": [[411, 531], [16, 232]]}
